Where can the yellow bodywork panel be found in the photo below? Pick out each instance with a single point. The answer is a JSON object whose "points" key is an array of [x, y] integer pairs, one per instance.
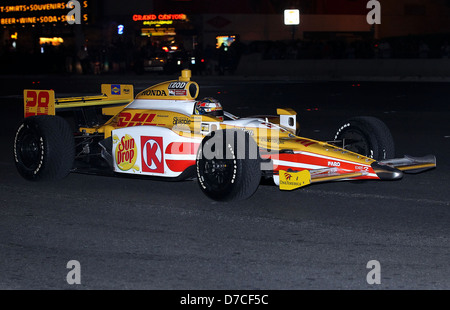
{"points": [[416, 166], [43, 102], [189, 125], [110, 111], [286, 111], [293, 180], [181, 89], [112, 94]]}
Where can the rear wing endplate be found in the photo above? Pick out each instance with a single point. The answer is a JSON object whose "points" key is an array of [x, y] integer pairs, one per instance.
{"points": [[43, 102]]}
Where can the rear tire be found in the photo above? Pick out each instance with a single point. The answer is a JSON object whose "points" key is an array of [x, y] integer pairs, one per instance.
{"points": [[44, 148], [225, 170], [367, 136]]}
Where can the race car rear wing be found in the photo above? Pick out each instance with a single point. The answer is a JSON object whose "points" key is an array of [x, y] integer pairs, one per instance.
{"points": [[43, 102]]}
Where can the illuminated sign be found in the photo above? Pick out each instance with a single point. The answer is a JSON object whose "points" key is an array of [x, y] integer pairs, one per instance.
{"points": [[37, 13], [120, 29], [155, 32], [291, 17], [55, 41], [157, 23], [160, 24], [225, 41], [137, 17]]}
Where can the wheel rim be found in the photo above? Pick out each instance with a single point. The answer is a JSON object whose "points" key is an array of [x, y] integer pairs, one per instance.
{"points": [[29, 149], [355, 141], [218, 173]]}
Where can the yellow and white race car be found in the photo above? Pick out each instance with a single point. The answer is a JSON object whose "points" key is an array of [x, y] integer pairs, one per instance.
{"points": [[166, 132]]}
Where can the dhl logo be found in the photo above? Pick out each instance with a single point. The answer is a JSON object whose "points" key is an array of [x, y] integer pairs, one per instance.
{"points": [[126, 119], [305, 142]]}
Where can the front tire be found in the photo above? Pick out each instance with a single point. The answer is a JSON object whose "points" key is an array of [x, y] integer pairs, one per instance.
{"points": [[368, 136], [44, 148], [228, 166]]}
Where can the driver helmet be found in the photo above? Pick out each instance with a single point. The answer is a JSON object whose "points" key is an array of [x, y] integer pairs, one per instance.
{"points": [[210, 107]]}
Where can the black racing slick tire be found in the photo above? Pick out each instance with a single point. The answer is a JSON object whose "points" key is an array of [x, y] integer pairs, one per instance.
{"points": [[44, 148], [228, 165], [368, 136]]}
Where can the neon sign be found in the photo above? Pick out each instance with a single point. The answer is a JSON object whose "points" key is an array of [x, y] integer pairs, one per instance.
{"points": [[38, 13], [225, 41], [137, 17], [157, 23]]}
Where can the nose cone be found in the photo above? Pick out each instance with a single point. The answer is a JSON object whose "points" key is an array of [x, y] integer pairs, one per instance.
{"points": [[385, 172]]}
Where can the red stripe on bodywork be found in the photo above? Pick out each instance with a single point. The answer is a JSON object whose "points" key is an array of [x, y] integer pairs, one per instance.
{"points": [[181, 148], [188, 148], [317, 161], [179, 165]]}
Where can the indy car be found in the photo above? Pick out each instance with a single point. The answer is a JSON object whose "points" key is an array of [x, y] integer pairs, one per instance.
{"points": [[165, 132]]}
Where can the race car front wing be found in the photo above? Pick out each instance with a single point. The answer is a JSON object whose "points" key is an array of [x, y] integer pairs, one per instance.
{"points": [[390, 169]]}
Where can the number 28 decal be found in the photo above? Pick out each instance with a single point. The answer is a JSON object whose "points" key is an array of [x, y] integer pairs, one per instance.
{"points": [[39, 102]]}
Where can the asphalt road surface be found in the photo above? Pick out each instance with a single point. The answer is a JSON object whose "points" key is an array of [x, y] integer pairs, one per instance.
{"points": [[141, 234]]}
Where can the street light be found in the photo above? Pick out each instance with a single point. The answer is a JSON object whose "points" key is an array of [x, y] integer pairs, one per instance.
{"points": [[292, 18]]}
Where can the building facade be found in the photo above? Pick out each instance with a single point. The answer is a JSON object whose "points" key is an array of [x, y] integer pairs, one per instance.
{"points": [[116, 33]]}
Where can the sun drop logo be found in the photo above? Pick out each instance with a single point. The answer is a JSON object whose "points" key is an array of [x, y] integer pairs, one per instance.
{"points": [[126, 153]]}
